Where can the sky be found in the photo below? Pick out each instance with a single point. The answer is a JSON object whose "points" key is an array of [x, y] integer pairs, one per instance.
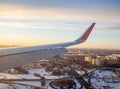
{"points": [[38, 22]]}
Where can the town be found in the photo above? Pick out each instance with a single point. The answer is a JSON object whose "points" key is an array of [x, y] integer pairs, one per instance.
{"points": [[77, 69]]}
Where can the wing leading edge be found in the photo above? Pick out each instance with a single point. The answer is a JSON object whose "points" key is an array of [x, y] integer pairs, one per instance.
{"points": [[14, 57]]}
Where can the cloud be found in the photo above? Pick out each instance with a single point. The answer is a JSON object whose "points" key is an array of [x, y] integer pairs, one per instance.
{"points": [[45, 13], [113, 28], [108, 27], [34, 24], [65, 3]]}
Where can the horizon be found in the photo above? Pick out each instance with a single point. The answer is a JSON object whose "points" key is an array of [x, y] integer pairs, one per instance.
{"points": [[30, 23]]}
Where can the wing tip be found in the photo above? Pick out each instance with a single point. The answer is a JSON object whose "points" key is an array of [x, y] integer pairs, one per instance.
{"points": [[86, 33]]}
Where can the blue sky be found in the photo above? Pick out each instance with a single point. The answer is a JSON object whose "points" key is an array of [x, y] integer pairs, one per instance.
{"points": [[36, 22]]}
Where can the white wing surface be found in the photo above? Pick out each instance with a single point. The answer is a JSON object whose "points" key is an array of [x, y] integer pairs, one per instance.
{"points": [[14, 57]]}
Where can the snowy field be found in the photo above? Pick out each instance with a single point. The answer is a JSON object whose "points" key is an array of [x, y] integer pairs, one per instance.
{"points": [[97, 80]]}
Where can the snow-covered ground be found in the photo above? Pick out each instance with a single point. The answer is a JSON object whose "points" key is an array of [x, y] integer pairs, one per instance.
{"points": [[97, 80], [27, 84]]}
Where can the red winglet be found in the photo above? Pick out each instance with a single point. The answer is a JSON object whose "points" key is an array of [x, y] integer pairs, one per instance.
{"points": [[86, 34]]}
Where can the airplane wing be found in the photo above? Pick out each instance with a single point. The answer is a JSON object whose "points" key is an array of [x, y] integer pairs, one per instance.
{"points": [[14, 57]]}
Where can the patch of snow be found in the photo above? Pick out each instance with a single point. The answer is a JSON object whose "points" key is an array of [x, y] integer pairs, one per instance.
{"points": [[41, 71]]}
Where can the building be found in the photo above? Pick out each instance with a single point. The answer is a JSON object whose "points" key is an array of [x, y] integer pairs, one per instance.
{"points": [[88, 59]]}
